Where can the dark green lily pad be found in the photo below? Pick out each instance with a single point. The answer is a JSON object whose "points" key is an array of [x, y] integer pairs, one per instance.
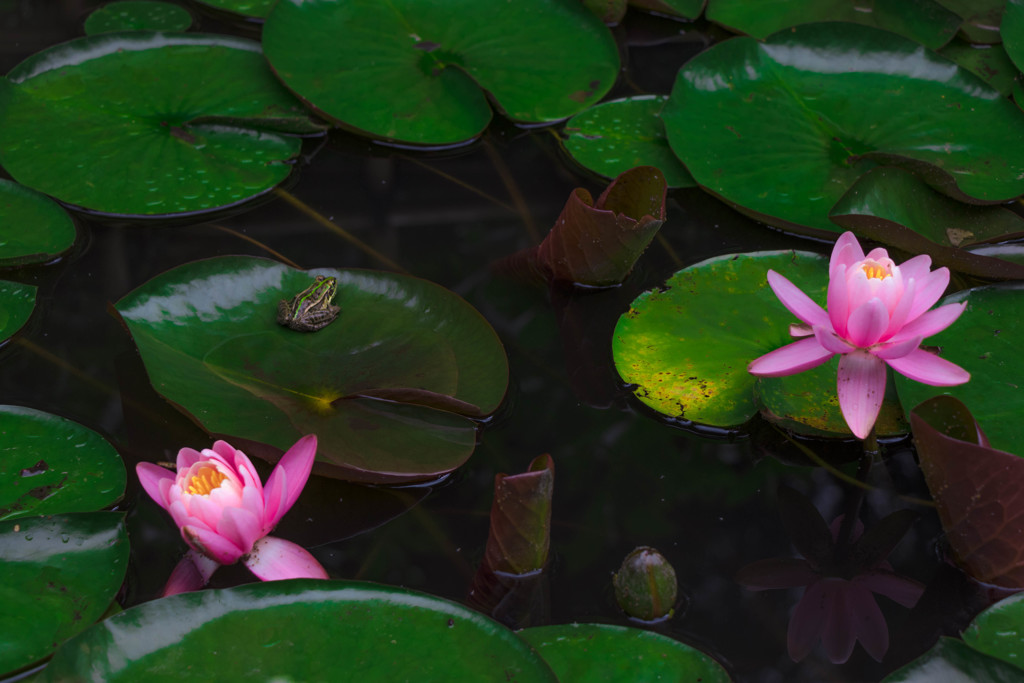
{"points": [[613, 137], [146, 124], [1011, 30], [417, 71], [981, 18], [986, 341], [389, 387], [33, 227], [999, 630], [603, 652], [138, 15], [953, 661], [894, 206], [687, 347], [925, 21], [60, 575], [16, 304], [282, 628], [251, 9], [989, 62], [51, 464], [783, 128]]}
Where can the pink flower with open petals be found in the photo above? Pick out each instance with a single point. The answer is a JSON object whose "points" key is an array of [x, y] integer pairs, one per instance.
{"points": [[225, 512], [878, 315]]}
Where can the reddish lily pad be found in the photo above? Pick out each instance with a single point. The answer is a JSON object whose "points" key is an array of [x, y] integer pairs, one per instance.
{"points": [[53, 465], [389, 388], [828, 102], [607, 653], [385, 633], [979, 491], [924, 21], [422, 72], [60, 575]]}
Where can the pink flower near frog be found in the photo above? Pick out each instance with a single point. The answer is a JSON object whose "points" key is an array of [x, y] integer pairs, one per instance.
{"points": [[225, 512], [878, 314]]}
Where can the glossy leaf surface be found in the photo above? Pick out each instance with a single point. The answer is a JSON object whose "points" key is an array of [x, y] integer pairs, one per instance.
{"points": [[978, 490], [990, 63], [783, 128], [897, 208], [953, 661], [388, 387], [603, 652], [420, 72], [986, 341], [145, 124], [380, 634], [138, 15], [981, 18], [612, 137], [33, 227], [924, 21], [687, 347], [60, 574], [257, 9], [1011, 30], [49, 464], [999, 630], [16, 304]]}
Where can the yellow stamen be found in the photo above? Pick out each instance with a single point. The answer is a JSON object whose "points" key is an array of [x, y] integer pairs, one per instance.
{"points": [[875, 271], [205, 480]]}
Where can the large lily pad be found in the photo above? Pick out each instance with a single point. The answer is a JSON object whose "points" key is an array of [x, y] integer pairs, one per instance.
{"points": [[389, 387], [783, 128], [16, 303], [1011, 29], [986, 341], [953, 661], [603, 652], [420, 71], [60, 574], [33, 227], [284, 629], [250, 9], [999, 630], [613, 137], [49, 464], [140, 123], [925, 21], [138, 15]]}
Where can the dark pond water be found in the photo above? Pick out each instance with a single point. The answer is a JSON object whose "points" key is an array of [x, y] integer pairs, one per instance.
{"points": [[623, 478]]}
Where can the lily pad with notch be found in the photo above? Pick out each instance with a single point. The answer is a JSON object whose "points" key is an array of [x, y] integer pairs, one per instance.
{"points": [[422, 72], [391, 388], [782, 128], [147, 124]]}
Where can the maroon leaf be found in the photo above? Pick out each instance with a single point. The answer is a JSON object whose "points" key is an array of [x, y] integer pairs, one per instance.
{"points": [[521, 519], [979, 491]]}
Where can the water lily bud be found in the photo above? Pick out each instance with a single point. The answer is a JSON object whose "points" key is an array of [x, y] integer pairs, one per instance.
{"points": [[645, 586]]}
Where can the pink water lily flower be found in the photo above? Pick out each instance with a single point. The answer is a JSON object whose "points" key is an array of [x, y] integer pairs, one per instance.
{"points": [[225, 512], [878, 315]]}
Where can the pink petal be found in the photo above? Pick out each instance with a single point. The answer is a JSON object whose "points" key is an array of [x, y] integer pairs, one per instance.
{"points": [[150, 476], [896, 349], [225, 451], [188, 457], [838, 634], [927, 368], [790, 359], [831, 342], [182, 518], [932, 322], [898, 588], [776, 573], [806, 623], [847, 251], [929, 289], [241, 527], [861, 387], [916, 268], [274, 559], [191, 574], [899, 315], [212, 544], [290, 474], [798, 303], [867, 323], [247, 473], [866, 620], [838, 302]]}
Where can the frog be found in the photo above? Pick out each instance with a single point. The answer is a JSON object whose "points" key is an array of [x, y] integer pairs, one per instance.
{"points": [[311, 309]]}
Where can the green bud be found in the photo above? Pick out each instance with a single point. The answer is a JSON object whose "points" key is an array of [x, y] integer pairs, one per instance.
{"points": [[645, 586]]}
